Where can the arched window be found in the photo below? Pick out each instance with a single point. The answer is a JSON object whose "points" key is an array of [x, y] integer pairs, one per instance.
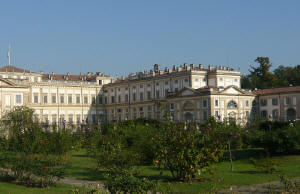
{"points": [[232, 104]]}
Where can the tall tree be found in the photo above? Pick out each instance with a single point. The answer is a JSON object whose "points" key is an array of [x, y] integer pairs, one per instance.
{"points": [[260, 77]]}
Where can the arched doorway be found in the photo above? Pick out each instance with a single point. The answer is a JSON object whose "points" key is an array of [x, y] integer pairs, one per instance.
{"points": [[290, 114], [188, 117], [188, 110]]}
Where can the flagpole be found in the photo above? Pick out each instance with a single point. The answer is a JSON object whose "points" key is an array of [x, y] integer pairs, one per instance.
{"points": [[8, 55]]}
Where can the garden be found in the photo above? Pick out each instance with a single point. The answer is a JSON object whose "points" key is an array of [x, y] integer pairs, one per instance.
{"points": [[144, 155]]}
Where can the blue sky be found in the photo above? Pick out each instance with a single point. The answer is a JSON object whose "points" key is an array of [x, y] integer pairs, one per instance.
{"points": [[118, 37]]}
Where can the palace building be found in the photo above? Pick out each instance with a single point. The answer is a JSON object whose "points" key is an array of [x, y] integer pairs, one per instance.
{"points": [[189, 93]]}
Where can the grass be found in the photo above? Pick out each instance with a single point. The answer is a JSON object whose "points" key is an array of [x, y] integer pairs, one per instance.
{"points": [[83, 167], [15, 189]]}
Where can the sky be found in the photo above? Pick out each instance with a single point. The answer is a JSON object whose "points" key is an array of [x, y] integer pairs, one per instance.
{"points": [[119, 37]]}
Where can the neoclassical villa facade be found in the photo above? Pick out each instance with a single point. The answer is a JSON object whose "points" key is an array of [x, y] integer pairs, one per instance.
{"points": [[188, 93]]}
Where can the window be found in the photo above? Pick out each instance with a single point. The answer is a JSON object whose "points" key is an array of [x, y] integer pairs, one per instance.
{"points": [[119, 98], [275, 114], [247, 114], [35, 79], [204, 103], [247, 103], [221, 79], [157, 84], [157, 93], [216, 103], [235, 80], [36, 98], [141, 109], [105, 100], [149, 108], [176, 89], [217, 114], [204, 80], [18, 99], [148, 95], [112, 99], [134, 96], [62, 99], [274, 101], [141, 96], [186, 80], [263, 114], [70, 119], [166, 82], [287, 100], [263, 102], [53, 98], [141, 86], [78, 119], [100, 82], [232, 104], [93, 100], [45, 99], [126, 89], [85, 99], [126, 97], [78, 99], [204, 115], [172, 106], [119, 110], [133, 87], [196, 80], [176, 81], [100, 100], [70, 99], [166, 92], [53, 119]]}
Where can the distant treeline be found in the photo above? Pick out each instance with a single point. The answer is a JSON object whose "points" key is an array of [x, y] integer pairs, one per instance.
{"points": [[261, 77]]}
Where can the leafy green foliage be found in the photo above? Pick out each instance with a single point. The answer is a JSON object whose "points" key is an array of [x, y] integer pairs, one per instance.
{"points": [[186, 150], [265, 165]]}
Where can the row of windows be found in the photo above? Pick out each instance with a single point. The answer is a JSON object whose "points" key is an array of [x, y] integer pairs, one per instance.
{"points": [[62, 99], [275, 101], [69, 119], [231, 104]]}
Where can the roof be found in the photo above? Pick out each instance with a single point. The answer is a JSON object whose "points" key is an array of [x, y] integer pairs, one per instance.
{"points": [[10, 68], [277, 90], [68, 77]]}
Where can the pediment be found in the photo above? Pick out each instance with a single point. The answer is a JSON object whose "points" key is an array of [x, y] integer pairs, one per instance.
{"points": [[232, 90], [187, 93], [4, 82]]}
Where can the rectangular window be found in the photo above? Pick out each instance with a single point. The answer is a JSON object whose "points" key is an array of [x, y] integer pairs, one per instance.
{"points": [[119, 98], [287, 100], [53, 98], [54, 119], [204, 103], [247, 114], [216, 103], [70, 119], [36, 98], [141, 96], [166, 92], [176, 89], [157, 94], [148, 95], [263, 102], [247, 103], [205, 115], [105, 100], [172, 106], [264, 114], [112, 99], [85, 100], [216, 114], [126, 97], [134, 96], [18, 99], [100, 100], [274, 101], [62, 99], [77, 99], [93, 100], [45, 99], [78, 119], [70, 99]]}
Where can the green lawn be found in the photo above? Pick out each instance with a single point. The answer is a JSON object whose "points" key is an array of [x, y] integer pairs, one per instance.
{"points": [[84, 167]]}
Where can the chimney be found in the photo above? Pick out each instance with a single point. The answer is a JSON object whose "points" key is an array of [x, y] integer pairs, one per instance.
{"points": [[192, 66], [200, 66]]}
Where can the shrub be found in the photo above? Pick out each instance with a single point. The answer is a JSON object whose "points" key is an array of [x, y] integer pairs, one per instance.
{"points": [[265, 165], [185, 150]]}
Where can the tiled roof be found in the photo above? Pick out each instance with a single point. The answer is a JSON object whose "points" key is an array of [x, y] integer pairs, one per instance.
{"points": [[10, 68], [277, 90]]}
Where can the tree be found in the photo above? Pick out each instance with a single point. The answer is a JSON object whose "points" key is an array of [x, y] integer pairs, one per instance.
{"points": [[260, 77]]}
